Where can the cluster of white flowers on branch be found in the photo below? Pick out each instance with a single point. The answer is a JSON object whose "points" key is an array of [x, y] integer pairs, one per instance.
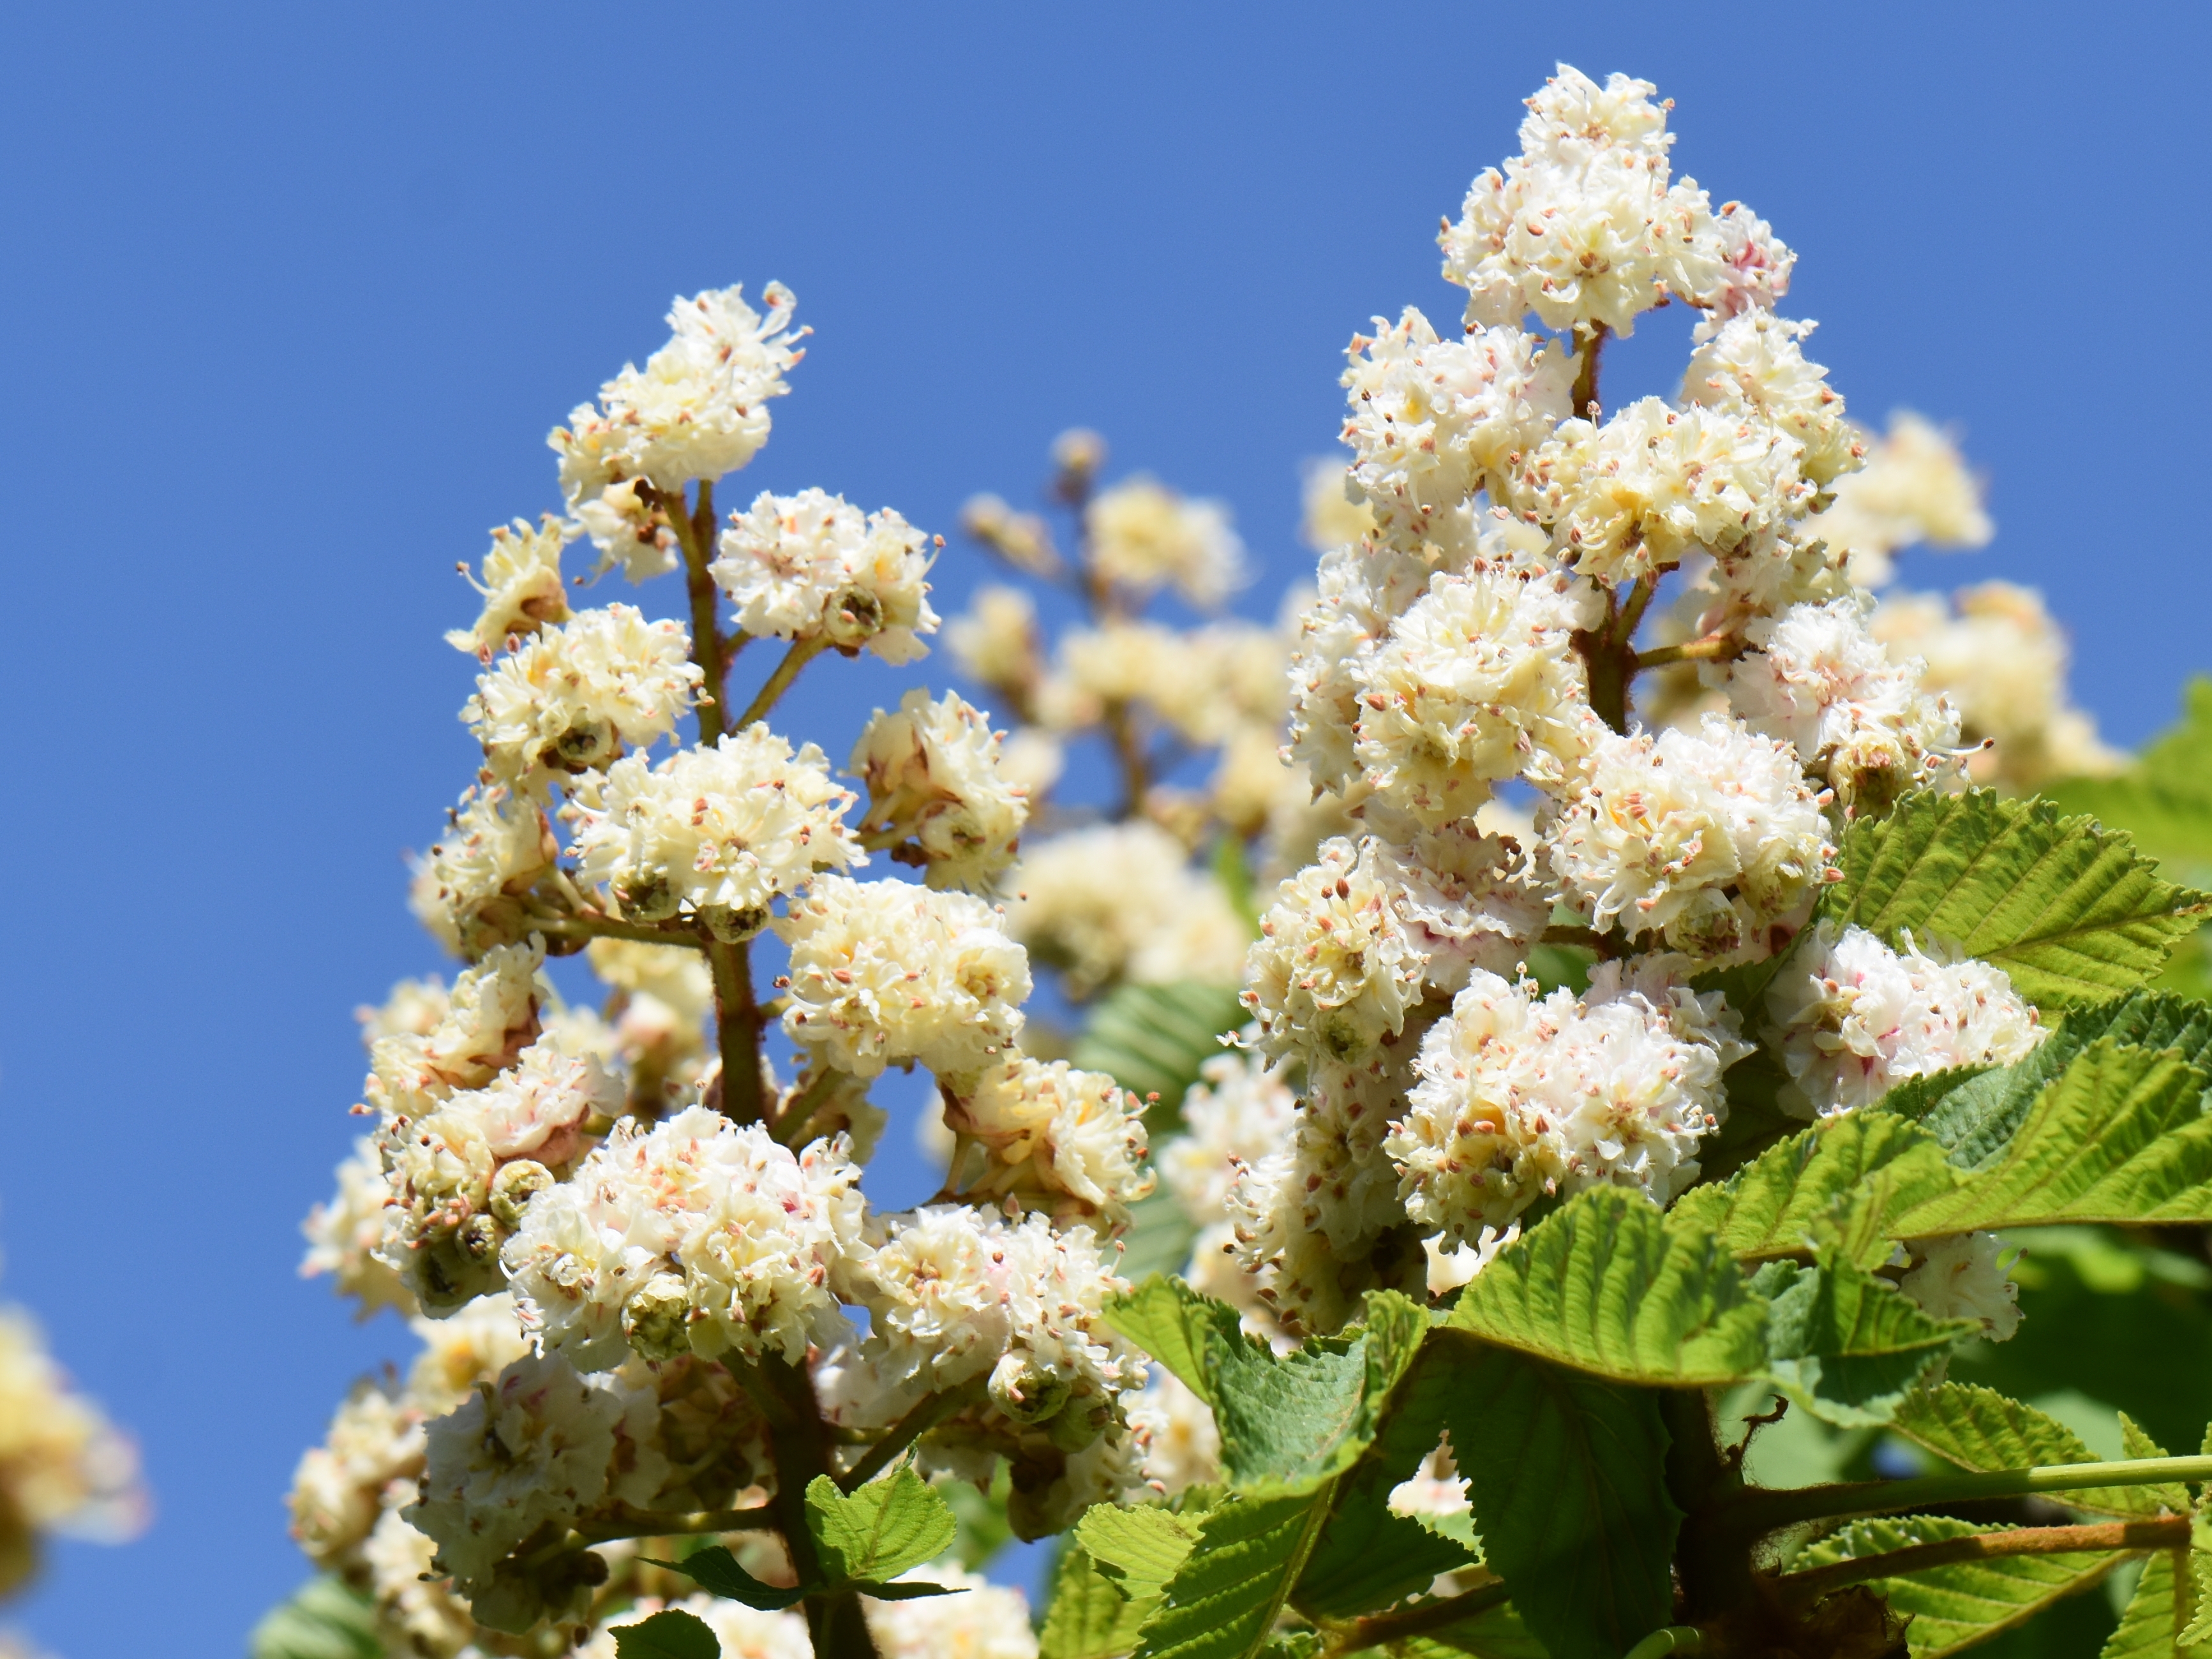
{"points": [[654, 1298]]}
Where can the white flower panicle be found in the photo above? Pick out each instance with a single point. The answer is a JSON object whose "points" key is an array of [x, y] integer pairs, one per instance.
{"points": [[521, 586], [1466, 900], [693, 1235], [1144, 537], [809, 568], [697, 410], [573, 697], [1333, 971], [1522, 1097], [1855, 1019], [1122, 902], [468, 888], [931, 772], [716, 833], [883, 973], [1709, 841]]}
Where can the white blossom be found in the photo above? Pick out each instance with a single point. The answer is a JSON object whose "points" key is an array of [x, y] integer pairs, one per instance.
{"points": [[1073, 1140], [1117, 902], [1754, 363], [1334, 970], [574, 696], [1965, 1276], [521, 586], [1854, 1018], [342, 1235], [740, 1631], [984, 1621], [718, 833], [466, 889], [1144, 537], [810, 568], [1914, 487], [697, 410], [412, 1601], [931, 772], [338, 1489], [1708, 839], [1467, 900], [883, 973], [1176, 1429]]}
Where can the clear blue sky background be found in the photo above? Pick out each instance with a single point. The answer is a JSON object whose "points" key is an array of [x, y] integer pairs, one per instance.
{"points": [[292, 294]]}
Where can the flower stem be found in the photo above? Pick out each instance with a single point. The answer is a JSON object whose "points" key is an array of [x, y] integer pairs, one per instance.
{"points": [[1383, 1628], [801, 1450], [1763, 1512], [1583, 400], [802, 652], [736, 1029], [2170, 1533], [1713, 648], [916, 1423], [695, 532], [607, 927], [647, 1524], [1129, 754]]}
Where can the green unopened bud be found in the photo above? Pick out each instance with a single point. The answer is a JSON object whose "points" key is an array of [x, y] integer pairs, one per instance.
{"points": [[479, 1238], [1026, 1391], [730, 925], [513, 1187], [657, 1319]]}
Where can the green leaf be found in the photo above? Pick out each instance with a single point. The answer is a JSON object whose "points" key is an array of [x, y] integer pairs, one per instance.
{"points": [[1977, 1116], [2156, 1615], [1153, 1038], [324, 1618], [1847, 1346], [876, 1533], [2134, 1443], [1567, 1475], [1288, 1421], [1139, 1549], [2068, 910], [2121, 1136], [671, 1634], [1605, 1285], [1368, 1556], [2166, 802], [1159, 1238], [1955, 1606], [1222, 1602], [1088, 1617], [715, 1570], [1979, 1428], [1841, 1181]]}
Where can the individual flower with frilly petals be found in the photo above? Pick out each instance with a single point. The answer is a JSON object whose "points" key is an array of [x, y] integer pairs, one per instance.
{"points": [[467, 889], [809, 568], [695, 1235], [697, 410], [1333, 971], [1073, 1140], [1144, 536], [1855, 1019], [1467, 900], [1176, 1429], [1520, 1097], [883, 972], [1636, 496], [342, 1235], [1236, 1113], [1754, 270], [488, 1018], [521, 586], [1584, 227], [338, 1489], [1817, 680], [1965, 1276], [1710, 840], [931, 771], [1432, 421], [574, 696], [1754, 363], [718, 832], [1479, 681]]}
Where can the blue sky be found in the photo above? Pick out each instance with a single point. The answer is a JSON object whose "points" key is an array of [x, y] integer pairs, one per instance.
{"points": [[292, 292]]}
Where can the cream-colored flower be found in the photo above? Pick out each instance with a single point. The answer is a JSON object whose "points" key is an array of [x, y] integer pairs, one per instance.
{"points": [[1145, 537], [1122, 902], [1754, 363], [1333, 971], [931, 771], [521, 586], [1060, 1139], [810, 568], [468, 888], [574, 696]]}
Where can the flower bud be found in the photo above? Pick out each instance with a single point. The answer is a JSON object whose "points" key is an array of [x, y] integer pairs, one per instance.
{"points": [[514, 1186], [1027, 1391], [657, 1318]]}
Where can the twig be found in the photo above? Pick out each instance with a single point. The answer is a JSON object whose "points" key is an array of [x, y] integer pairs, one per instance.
{"points": [[695, 533], [1713, 648], [2172, 1533], [1382, 1628], [645, 1524], [1585, 390], [609, 927], [802, 652], [1763, 1512], [924, 1417], [736, 1029]]}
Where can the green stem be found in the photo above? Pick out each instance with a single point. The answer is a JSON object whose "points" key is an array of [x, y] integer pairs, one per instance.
{"points": [[1713, 648], [802, 652], [648, 1525], [1129, 755], [916, 1423], [794, 1119], [801, 1451], [1671, 1638], [644, 932], [1765, 1511], [736, 1029], [695, 532], [2172, 1532], [1382, 1628]]}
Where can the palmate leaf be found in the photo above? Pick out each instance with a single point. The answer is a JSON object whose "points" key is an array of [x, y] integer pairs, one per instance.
{"points": [[1089, 1616], [1139, 1549], [1153, 1038], [1606, 1284], [1368, 1556], [1979, 1428], [871, 1535], [1845, 1345], [2120, 1136], [1955, 1606], [1567, 1475], [1840, 1183], [1287, 1422], [2069, 910], [2157, 1613], [1974, 1115], [1222, 1602]]}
